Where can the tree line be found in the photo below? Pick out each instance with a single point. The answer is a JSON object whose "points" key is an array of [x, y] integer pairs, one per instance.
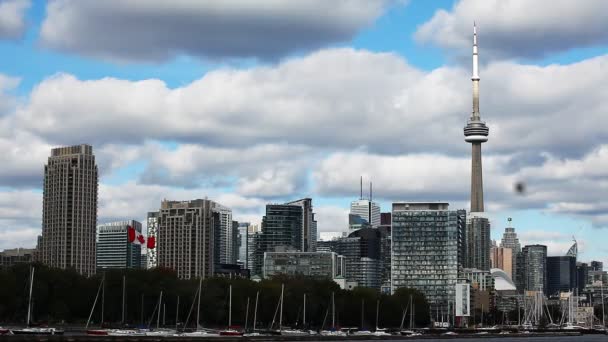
{"points": [[64, 296]]}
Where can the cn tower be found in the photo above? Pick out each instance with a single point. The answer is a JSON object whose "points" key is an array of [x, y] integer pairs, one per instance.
{"points": [[476, 132], [478, 226]]}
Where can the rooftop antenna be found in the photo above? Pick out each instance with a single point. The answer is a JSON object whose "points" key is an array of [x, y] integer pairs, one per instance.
{"points": [[369, 207], [361, 187]]}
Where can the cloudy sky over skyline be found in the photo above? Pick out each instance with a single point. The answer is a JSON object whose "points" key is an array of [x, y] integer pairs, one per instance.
{"points": [[252, 102]]}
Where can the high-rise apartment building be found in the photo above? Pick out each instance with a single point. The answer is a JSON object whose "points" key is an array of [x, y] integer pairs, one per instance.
{"points": [[224, 236], [69, 210], [478, 242], [114, 251], [425, 250], [243, 244], [290, 226], [534, 264], [281, 228], [502, 257], [309, 225], [152, 226], [185, 237]]}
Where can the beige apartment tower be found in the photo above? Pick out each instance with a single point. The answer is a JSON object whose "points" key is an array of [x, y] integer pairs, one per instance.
{"points": [[185, 237], [69, 210], [502, 257]]}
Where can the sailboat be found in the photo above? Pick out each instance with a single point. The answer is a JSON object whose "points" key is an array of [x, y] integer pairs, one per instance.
{"points": [[333, 331], [362, 331], [255, 317], [411, 331], [160, 332], [101, 331], [34, 330], [199, 332], [291, 332], [230, 331], [379, 331]]}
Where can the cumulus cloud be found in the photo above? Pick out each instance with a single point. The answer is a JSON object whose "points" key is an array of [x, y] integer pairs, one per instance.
{"points": [[518, 28], [267, 170], [568, 186], [331, 218], [20, 218], [325, 99], [408, 177], [156, 30], [12, 18]]}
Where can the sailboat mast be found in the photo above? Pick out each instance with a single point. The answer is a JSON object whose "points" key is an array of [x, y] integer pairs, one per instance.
{"points": [[29, 304], [281, 313], [333, 311], [255, 311], [247, 314], [94, 304], [122, 320], [230, 306], [177, 313], [103, 298], [411, 312], [198, 306], [603, 312], [304, 314], [362, 312], [160, 300], [377, 309]]}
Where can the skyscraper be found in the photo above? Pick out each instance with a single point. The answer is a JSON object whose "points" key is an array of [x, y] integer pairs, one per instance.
{"points": [[476, 132], [281, 228], [114, 251], [152, 226], [425, 250], [502, 258], [69, 210], [309, 225], [361, 209], [534, 264], [185, 237], [223, 236], [561, 274], [243, 244], [510, 240]]}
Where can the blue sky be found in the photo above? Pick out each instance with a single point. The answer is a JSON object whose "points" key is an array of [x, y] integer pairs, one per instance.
{"points": [[270, 104]]}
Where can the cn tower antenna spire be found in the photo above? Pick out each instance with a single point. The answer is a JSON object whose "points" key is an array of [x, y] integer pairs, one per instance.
{"points": [[476, 132], [475, 76]]}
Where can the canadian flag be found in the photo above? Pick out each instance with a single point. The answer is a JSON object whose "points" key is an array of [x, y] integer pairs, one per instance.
{"points": [[135, 236]]}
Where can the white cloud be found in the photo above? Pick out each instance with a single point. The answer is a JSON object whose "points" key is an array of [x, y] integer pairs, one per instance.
{"points": [[12, 18], [20, 218], [518, 28], [261, 170], [408, 177], [333, 99], [331, 218], [155, 30]]}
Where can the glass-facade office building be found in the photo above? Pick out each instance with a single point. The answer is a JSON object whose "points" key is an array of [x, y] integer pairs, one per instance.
{"points": [[426, 243], [534, 273], [561, 274], [114, 251]]}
